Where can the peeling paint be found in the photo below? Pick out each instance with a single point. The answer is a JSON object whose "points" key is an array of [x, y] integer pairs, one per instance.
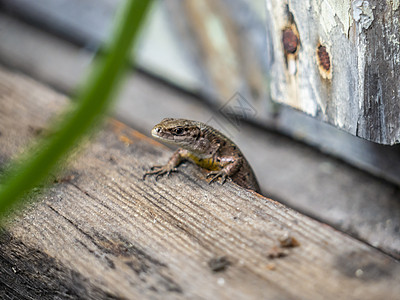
{"points": [[394, 38], [327, 17], [360, 66], [362, 13], [395, 4], [339, 9], [363, 44]]}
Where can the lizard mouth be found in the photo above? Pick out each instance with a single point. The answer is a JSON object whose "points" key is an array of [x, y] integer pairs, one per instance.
{"points": [[158, 133], [155, 131]]}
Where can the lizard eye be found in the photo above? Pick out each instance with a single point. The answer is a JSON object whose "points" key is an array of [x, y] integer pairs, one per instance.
{"points": [[178, 130]]}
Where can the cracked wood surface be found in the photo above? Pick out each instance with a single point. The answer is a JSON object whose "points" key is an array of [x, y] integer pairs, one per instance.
{"points": [[332, 191], [101, 232]]}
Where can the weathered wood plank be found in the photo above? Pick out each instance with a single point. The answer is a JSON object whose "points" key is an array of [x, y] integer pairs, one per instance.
{"points": [[340, 195], [355, 86], [102, 232]]}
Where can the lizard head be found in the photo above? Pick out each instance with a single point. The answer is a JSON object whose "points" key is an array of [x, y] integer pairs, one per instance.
{"points": [[180, 132]]}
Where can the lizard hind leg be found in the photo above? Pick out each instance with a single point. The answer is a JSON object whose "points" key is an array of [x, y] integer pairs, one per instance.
{"points": [[231, 167]]}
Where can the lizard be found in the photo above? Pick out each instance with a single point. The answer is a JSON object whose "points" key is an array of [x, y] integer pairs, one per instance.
{"points": [[207, 148]]}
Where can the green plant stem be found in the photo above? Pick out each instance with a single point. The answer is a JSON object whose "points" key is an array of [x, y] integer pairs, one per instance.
{"points": [[92, 102]]}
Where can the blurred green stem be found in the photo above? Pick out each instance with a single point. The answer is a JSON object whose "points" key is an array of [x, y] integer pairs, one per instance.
{"points": [[92, 102]]}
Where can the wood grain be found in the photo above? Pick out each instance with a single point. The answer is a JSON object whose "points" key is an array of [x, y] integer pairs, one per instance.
{"points": [[361, 94], [333, 192], [101, 232]]}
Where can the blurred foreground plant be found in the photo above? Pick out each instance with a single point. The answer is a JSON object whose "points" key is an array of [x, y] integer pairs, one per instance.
{"points": [[92, 103]]}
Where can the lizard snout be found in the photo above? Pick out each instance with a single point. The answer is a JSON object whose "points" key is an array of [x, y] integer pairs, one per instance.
{"points": [[156, 131]]}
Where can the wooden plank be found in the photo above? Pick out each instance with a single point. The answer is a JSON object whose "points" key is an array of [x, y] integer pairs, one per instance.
{"points": [[102, 232], [343, 51], [226, 42], [331, 191]]}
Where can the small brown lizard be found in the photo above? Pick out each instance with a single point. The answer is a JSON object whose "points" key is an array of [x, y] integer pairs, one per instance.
{"points": [[207, 148]]}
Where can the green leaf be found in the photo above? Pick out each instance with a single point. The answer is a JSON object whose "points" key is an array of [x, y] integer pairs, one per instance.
{"points": [[92, 102]]}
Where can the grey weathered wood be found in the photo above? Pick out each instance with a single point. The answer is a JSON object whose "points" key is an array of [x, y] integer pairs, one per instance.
{"points": [[101, 232], [299, 176], [362, 95], [225, 41]]}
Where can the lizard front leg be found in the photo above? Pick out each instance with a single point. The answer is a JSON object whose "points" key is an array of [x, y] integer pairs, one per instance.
{"points": [[174, 161], [230, 166]]}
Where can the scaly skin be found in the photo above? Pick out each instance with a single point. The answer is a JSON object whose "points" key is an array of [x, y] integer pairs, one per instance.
{"points": [[207, 148]]}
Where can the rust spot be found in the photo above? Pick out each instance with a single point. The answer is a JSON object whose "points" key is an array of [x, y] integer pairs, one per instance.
{"points": [[291, 46], [323, 57], [324, 62], [290, 41]]}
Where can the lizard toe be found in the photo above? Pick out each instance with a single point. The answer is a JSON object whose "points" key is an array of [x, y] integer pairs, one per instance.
{"points": [[223, 179], [155, 167], [214, 176], [158, 176]]}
